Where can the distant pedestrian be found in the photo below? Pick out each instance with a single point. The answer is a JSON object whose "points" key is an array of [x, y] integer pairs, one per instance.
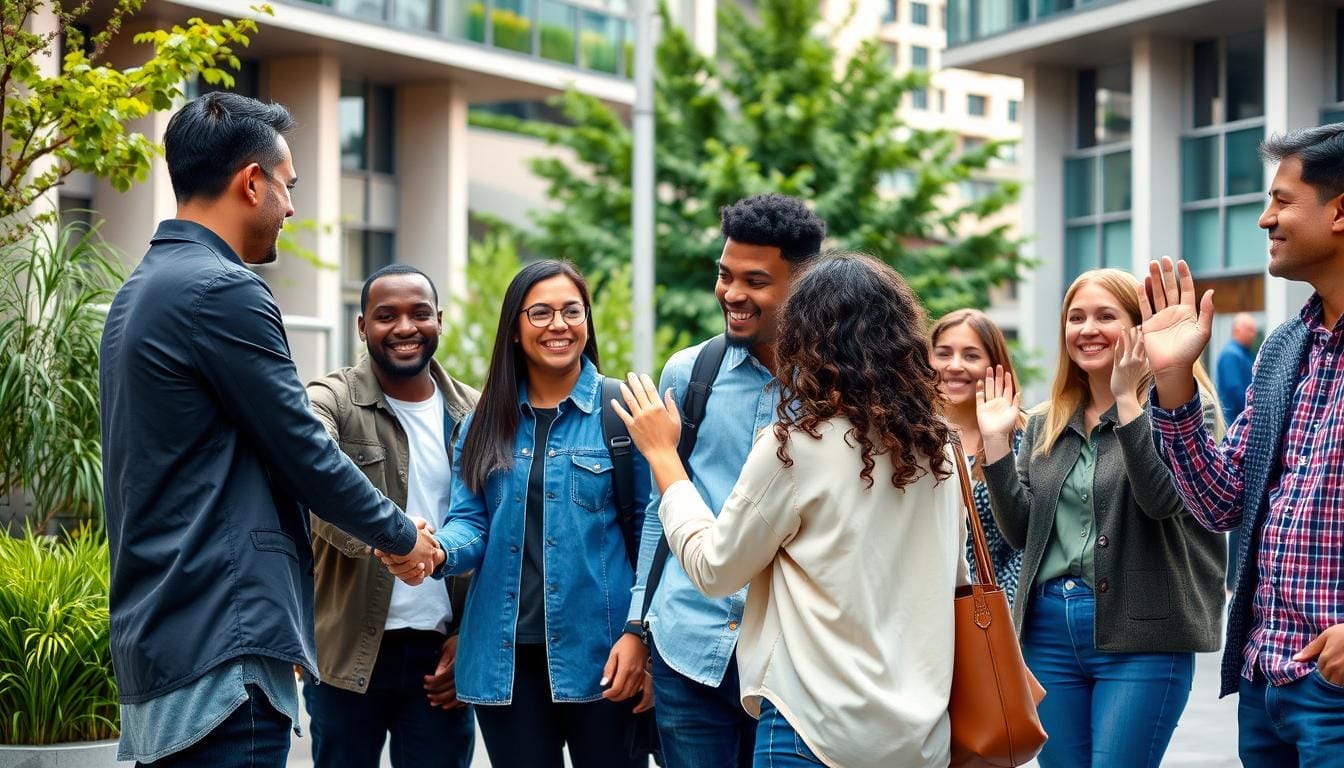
{"points": [[386, 650], [545, 653], [1119, 586], [964, 346], [1278, 476], [211, 459], [1233, 377], [847, 521]]}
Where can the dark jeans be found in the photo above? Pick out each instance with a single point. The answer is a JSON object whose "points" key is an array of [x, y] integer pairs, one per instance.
{"points": [[532, 731], [1101, 708], [778, 744], [256, 735], [349, 729], [701, 726], [1298, 724]]}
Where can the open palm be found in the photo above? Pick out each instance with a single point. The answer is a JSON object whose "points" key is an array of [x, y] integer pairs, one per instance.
{"points": [[1174, 331], [997, 404]]}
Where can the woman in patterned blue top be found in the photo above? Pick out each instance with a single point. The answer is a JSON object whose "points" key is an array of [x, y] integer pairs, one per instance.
{"points": [[963, 345]]}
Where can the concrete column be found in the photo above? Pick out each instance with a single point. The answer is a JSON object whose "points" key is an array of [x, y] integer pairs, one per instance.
{"points": [[1156, 150], [1296, 62], [1045, 128], [310, 87], [43, 22], [130, 218], [431, 162]]}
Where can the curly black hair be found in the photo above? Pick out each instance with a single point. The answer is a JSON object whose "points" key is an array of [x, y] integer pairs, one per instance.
{"points": [[775, 220], [852, 346]]}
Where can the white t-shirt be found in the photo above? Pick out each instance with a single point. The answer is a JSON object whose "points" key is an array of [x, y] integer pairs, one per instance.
{"points": [[428, 483]]}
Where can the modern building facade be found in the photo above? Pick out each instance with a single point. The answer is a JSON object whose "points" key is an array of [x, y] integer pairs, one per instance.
{"points": [[1141, 121], [380, 90]]}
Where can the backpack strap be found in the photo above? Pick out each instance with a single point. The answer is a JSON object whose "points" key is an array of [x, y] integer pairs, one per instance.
{"points": [[703, 373], [617, 437]]}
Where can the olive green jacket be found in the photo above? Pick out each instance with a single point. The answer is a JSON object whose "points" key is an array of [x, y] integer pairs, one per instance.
{"points": [[353, 589]]}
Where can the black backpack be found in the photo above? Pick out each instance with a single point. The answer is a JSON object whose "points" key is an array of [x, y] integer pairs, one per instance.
{"points": [[617, 437]]}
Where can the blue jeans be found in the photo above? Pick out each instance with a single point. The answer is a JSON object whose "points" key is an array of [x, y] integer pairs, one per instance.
{"points": [[1100, 708], [701, 726], [778, 745], [256, 735], [349, 728], [1298, 724]]}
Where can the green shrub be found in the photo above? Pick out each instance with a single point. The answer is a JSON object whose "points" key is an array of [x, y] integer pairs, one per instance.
{"points": [[599, 51], [56, 682], [511, 31], [557, 43]]}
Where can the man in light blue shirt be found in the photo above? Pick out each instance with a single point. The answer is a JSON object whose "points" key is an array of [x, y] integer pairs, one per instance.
{"points": [[692, 637]]}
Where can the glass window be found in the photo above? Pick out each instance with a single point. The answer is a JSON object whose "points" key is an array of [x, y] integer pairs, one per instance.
{"points": [[1080, 187], [1199, 168], [893, 53], [1245, 171], [919, 57], [897, 182], [557, 31], [511, 25], [382, 141], [371, 9], [417, 14], [465, 19], [1116, 182], [1246, 242], [1332, 116], [1200, 240], [1205, 86], [971, 144], [1047, 7], [1246, 75], [1080, 251], [1117, 245], [919, 14], [1013, 107], [919, 98], [975, 105], [889, 11], [599, 41], [351, 126], [1105, 105]]}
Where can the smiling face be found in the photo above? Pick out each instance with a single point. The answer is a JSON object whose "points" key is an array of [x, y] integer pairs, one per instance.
{"points": [[557, 348], [1093, 322], [401, 324], [753, 281], [960, 358], [1303, 230]]}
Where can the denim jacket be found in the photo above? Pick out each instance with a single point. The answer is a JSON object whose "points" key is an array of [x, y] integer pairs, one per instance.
{"points": [[586, 568]]}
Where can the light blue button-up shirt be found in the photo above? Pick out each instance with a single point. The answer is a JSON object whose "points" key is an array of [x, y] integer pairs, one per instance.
{"points": [[701, 633]]}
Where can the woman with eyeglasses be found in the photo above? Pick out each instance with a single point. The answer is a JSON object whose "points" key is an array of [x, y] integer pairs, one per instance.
{"points": [[544, 650]]}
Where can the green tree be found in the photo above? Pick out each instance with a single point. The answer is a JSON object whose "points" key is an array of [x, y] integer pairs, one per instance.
{"points": [[76, 120], [780, 110]]}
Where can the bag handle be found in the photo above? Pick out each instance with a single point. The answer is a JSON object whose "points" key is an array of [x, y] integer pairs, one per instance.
{"points": [[984, 564]]}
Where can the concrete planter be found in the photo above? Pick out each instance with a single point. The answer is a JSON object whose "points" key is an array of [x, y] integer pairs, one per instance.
{"points": [[87, 754]]}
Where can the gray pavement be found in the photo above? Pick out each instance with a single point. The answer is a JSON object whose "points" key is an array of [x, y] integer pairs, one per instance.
{"points": [[1205, 738]]}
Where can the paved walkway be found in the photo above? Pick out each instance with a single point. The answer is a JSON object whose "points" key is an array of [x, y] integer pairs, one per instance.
{"points": [[1206, 737]]}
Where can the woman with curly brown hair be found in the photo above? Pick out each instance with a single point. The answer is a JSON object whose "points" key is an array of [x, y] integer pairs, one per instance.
{"points": [[842, 523]]}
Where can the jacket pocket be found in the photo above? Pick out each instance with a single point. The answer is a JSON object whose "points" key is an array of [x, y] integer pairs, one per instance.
{"points": [[363, 454], [1148, 595], [275, 541], [590, 482]]}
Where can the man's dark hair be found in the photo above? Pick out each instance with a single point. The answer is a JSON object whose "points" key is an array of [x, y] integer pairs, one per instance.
{"points": [[394, 269], [775, 220], [213, 136], [1321, 151]]}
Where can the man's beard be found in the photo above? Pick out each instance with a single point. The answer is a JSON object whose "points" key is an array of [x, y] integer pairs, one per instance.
{"points": [[400, 369]]}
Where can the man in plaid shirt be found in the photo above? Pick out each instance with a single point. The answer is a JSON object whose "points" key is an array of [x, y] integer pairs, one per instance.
{"points": [[1278, 475]]}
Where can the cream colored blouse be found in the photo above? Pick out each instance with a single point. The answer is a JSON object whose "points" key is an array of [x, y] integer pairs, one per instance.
{"points": [[848, 627]]}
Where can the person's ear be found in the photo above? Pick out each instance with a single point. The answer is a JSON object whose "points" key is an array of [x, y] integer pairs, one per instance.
{"points": [[250, 183], [359, 325]]}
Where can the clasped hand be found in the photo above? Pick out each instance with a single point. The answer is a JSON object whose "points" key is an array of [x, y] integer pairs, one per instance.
{"points": [[416, 565]]}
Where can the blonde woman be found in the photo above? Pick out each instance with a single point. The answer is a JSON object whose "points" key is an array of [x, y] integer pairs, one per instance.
{"points": [[1119, 585], [964, 345]]}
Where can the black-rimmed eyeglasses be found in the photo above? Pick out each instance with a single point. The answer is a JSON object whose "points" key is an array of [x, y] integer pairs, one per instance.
{"points": [[542, 315]]}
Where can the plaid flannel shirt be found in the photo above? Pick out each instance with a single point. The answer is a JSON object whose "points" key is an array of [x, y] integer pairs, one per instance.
{"points": [[1299, 549]]}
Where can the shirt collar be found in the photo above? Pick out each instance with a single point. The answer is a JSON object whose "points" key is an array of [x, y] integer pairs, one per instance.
{"points": [[1077, 424], [734, 356], [190, 231], [585, 395], [1313, 316]]}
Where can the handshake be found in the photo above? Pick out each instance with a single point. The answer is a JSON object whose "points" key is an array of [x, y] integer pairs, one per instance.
{"points": [[416, 565]]}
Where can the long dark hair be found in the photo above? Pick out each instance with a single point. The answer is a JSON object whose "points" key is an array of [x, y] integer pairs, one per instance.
{"points": [[852, 345], [488, 446]]}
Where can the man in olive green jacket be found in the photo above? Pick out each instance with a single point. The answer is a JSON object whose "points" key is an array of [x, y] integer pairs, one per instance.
{"points": [[386, 652]]}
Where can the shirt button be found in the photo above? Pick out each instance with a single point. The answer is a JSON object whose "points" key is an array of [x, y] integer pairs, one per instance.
{"points": [[526, 452], [1102, 541], [550, 495], [1084, 497], [513, 547], [1103, 586], [550, 542], [361, 681], [596, 467], [1070, 584], [551, 452], [1083, 533], [732, 625]]}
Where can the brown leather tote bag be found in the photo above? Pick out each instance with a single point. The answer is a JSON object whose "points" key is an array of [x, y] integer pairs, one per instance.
{"points": [[994, 696]]}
